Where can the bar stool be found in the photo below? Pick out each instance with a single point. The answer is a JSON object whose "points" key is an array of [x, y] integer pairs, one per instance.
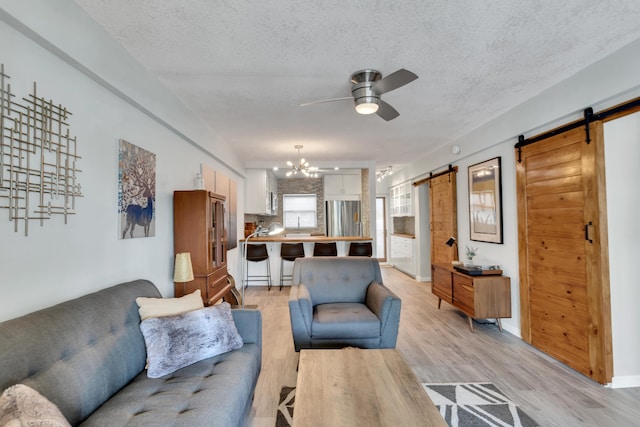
{"points": [[325, 249], [360, 249], [258, 253], [289, 252]]}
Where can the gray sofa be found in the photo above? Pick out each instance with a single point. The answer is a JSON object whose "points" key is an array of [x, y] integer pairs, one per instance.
{"points": [[341, 301], [87, 356]]}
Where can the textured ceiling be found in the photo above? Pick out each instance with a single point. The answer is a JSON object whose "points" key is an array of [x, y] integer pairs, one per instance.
{"points": [[245, 66]]}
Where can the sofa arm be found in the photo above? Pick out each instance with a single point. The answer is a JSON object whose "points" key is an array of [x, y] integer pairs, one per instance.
{"points": [[386, 305], [249, 325], [301, 313]]}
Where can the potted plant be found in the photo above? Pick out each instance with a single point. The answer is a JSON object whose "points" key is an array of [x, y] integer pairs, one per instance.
{"points": [[471, 252]]}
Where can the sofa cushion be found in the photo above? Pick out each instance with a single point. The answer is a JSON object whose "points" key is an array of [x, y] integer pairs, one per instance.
{"points": [[344, 320], [215, 392], [159, 307], [21, 405], [174, 342]]}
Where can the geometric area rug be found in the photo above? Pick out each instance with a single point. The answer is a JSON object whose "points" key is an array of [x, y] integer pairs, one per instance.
{"points": [[284, 416], [460, 404], [476, 405]]}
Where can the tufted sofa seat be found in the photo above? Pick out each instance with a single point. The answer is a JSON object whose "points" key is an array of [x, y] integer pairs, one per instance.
{"points": [[88, 356], [339, 302]]}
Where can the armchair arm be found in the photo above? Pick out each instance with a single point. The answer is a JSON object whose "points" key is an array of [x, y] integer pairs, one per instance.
{"points": [[301, 313], [386, 305]]}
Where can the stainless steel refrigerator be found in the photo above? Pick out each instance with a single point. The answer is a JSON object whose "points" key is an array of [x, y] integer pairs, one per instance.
{"points": [[343, 218]]}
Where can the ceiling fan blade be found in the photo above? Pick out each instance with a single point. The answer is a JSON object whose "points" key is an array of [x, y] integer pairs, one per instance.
{"points": [[386, 111], [326, 100], [393, 81]]}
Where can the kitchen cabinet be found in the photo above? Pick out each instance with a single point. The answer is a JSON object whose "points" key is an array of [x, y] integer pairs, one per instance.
{"points": [[199, 228], [402, 254], [479, 297], [402, 199], [342, 187], [261, 195]]}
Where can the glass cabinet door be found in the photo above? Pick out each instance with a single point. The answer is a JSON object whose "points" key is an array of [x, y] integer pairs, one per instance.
{"points": [[217, 235]]}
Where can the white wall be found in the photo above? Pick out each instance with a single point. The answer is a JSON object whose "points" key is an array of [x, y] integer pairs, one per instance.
{"points": [[613, 80], [622, 156], [57, 262]]}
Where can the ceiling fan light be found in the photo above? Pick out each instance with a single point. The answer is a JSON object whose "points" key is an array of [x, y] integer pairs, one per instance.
{"points": [[366, 105], [367, 108]]}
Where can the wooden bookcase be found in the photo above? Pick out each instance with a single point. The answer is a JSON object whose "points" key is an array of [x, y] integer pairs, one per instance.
{"points": [[199, 228], [479, 297]]}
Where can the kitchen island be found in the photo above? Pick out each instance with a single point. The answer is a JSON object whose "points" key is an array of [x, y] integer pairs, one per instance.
{"points": [[273, 248]]}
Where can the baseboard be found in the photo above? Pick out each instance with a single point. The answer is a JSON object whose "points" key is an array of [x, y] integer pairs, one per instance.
{"points": [[625, 381], [512, 330], [423, 279]]}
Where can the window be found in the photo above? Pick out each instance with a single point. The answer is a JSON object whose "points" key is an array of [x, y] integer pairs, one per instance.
{"points": [[299, 211]]}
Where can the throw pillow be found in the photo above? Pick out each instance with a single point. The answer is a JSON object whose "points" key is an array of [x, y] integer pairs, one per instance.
{"points": [[158, 307], [174, 342], [20, 405]]}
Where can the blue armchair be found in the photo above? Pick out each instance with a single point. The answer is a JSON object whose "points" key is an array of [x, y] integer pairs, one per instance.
{"points": [[340, 302]]}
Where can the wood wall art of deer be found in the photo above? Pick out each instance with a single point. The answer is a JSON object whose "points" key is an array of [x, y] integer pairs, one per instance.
{"points": [[138, 215], [137, 179]]}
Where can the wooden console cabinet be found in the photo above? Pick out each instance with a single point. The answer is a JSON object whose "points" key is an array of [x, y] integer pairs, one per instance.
{"points": [[198, 228], [478, 297]]}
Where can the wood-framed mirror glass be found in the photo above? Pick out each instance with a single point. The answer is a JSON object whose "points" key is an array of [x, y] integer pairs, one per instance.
{"points": [[485, 201]]}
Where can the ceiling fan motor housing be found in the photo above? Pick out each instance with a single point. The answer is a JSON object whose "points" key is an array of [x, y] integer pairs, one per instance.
{"points": [[363, 82]]}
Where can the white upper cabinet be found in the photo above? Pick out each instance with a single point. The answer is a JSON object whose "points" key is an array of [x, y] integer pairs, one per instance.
{"points": [[261, 192], [402, 199], [342, 187]]}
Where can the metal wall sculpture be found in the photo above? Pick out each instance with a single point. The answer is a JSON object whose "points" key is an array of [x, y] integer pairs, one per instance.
{"points": [[38, 171]]}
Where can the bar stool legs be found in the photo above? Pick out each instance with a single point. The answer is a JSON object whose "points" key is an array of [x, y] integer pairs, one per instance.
{"points": [[258, 253], [289, 252]]}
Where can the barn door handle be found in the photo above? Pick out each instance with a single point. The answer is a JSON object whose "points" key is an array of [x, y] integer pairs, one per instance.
{"points": [[586, 231]]}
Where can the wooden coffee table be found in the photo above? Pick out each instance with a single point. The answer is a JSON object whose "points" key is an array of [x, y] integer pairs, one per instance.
{"points": [[354, 387]]}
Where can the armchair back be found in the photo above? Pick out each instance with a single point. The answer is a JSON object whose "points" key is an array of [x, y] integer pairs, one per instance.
{"points": [[342, 279]]}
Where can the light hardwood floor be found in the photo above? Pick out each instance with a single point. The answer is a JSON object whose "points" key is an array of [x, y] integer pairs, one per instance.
{"points": [[439, 347]]}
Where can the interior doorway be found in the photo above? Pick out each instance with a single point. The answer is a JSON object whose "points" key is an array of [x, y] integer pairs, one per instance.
{"points": [[381, 229]]}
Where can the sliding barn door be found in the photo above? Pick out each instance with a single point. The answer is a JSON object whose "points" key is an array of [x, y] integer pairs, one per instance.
{"points": [[564, 277], [443, 217]]}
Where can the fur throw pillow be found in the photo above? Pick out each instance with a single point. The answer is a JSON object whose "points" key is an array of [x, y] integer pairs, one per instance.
{"points": [[20, 405], [174, 342]]}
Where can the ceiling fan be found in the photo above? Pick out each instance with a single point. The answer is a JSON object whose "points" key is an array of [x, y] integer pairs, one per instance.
{"points": [[367, 88]]}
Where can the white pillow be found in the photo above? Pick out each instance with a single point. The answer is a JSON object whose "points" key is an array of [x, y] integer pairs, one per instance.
{"points": [[174, 342], [20, 405], [158, 307]]}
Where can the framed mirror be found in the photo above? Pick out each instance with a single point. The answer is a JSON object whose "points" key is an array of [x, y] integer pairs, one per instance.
{"points": [[485, 201]]}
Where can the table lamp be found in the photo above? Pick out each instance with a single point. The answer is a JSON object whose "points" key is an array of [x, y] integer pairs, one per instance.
{"points": [[273, 229], [450, 243], [183, 270]]}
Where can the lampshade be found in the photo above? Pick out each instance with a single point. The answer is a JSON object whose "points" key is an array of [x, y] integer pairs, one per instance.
{"points": [[274, 228], [183, 271], [451, 241]]}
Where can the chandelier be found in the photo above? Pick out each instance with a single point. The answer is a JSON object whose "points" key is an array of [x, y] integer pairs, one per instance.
{"points": [[302, 167], [383, 173]]}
